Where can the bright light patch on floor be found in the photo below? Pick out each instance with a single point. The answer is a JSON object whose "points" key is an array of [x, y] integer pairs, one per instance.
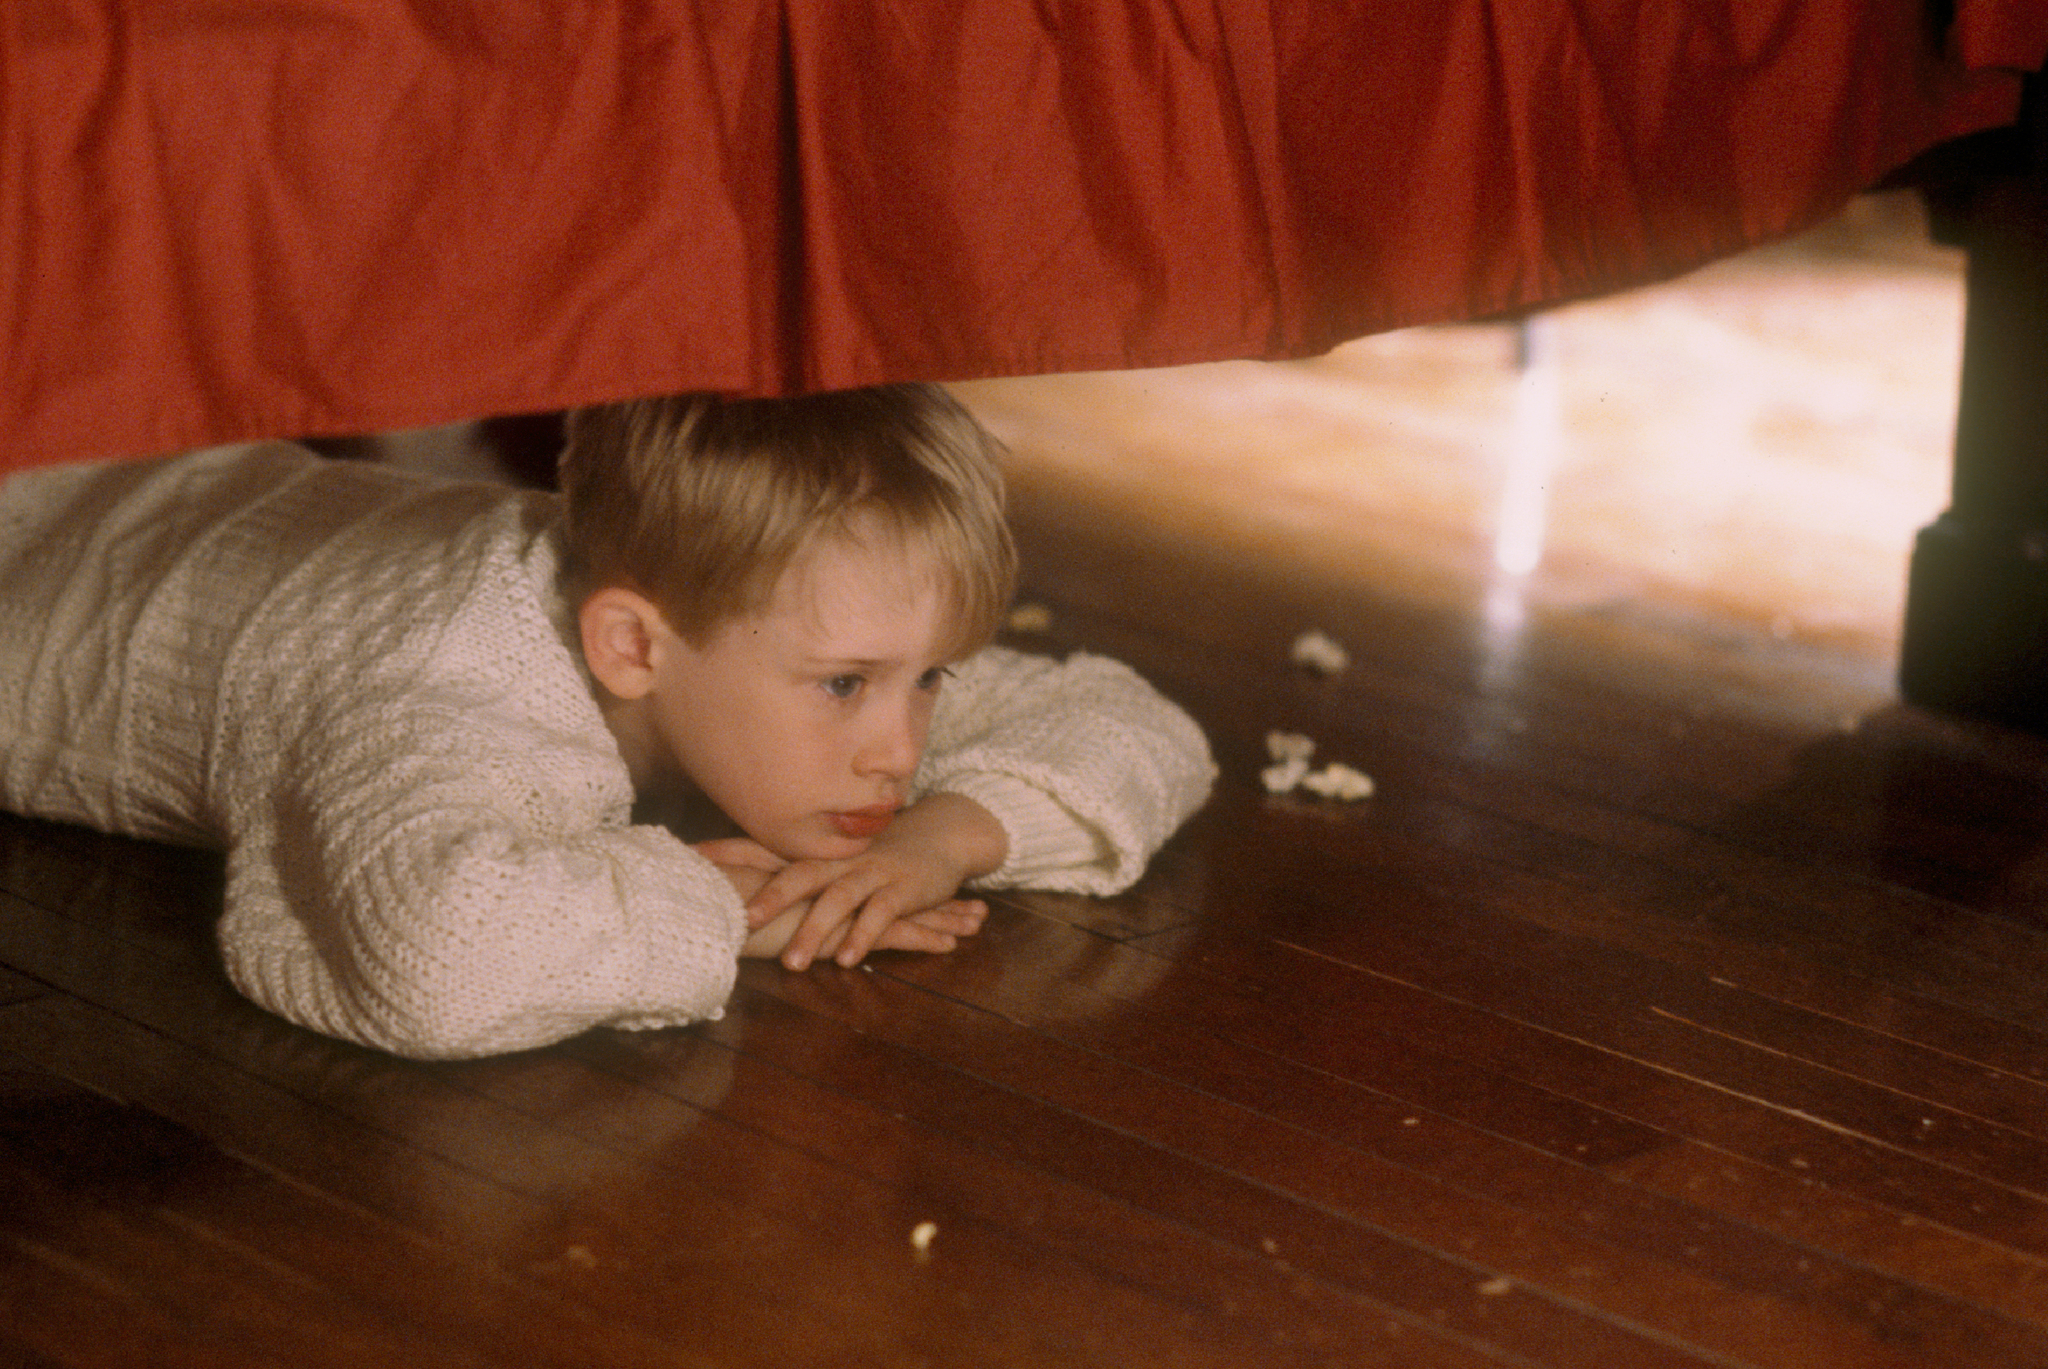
{"points": [[1761, 440], [1535, 437]]}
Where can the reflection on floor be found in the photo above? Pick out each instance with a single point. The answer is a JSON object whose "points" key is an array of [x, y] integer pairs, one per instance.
{"points": [[1760, 439]]}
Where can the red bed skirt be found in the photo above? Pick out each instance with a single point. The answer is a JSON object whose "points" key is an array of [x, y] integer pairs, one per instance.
{"points": [[333, 216]]}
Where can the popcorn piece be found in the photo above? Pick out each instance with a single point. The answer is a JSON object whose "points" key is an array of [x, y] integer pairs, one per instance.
{"points": [[1338, 781], [921, 1239], [1290, 770], [1030, 618], [1290, 752], [1289, 746], [1321, 653], [1282, 778]]}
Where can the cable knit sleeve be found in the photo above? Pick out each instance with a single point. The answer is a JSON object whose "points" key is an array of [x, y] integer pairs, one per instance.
{"points": [[393, 897], [1087, 767]]}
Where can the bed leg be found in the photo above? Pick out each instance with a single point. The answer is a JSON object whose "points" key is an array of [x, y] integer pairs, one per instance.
{"points": [[1976, 629]]}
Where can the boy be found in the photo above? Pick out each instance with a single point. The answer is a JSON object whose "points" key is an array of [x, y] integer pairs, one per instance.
{"points": [[418, 714]]}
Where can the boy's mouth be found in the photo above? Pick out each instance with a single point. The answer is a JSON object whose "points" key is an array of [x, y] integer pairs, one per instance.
{"points": [[860, 823]]}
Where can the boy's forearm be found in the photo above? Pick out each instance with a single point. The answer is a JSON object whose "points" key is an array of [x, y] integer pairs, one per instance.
{"points": [[956, 830]]}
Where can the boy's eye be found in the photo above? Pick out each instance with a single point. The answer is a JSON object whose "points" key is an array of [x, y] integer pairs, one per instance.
{"points": [[932, 678], [843, 686]]}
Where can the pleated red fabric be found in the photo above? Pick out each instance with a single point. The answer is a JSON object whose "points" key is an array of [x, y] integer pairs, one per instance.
{"points": [[297, 217]]}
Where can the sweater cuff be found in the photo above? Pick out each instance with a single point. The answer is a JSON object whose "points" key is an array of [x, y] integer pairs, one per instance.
{"points": [[1044, 836]]}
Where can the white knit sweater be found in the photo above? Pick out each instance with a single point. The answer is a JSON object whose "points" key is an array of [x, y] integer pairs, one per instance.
{"points": [[364, 685]]}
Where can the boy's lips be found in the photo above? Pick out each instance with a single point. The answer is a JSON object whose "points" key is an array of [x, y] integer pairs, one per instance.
{"points": [[859, 823]]}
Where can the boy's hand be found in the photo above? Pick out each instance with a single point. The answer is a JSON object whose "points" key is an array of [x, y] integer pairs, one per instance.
{"points": [[913, 868], [935, 930], [748, 864]]}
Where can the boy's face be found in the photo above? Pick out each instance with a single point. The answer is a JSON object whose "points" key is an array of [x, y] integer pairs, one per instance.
{"points": [[804, 723]]}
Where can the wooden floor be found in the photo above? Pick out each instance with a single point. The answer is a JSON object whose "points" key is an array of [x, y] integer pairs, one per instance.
{"points": [[1679, 999]]}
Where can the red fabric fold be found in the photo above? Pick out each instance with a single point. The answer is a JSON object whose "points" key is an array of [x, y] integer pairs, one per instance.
{"points": [[324, 216]]}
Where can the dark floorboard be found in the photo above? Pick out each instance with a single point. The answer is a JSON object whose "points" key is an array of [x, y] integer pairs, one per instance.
{"points": [[1679, 1000]]}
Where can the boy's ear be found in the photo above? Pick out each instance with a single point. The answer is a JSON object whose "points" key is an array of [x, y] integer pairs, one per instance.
{"points": [[620, 630]]}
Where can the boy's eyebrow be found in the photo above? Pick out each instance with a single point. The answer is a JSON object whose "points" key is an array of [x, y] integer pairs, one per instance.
{"points": [[828, 658], [853, 662]]}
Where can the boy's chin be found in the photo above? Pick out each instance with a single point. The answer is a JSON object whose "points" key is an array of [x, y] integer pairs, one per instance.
{"points": [[817, 846]]}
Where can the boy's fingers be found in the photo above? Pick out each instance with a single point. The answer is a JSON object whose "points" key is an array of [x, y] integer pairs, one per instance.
{"points": [[790, 885], [962, 917], [952, 919], [883, 910], [832, 940], [798, 955], [911, 936], [934, 930], [855, 909], [832, 911]]}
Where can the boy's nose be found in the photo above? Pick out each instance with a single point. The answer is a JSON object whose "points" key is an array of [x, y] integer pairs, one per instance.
{"points": [[892, 748]]}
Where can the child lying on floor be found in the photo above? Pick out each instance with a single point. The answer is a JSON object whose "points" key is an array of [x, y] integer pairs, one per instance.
{"points": [[418, 714]]}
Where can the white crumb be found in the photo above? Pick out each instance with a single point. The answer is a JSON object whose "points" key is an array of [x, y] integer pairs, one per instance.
{"points": [[1290, 752], [1289, 746], [1337, 781], [1284, 777], [1321, 652], [1290, 770], [921, 1238]]}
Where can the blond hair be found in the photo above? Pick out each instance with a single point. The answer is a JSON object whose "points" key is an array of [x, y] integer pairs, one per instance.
{"points": [[701, 502]]}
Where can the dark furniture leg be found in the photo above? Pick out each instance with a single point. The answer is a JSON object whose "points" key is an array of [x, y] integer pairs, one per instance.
{"points": [[1976, 631]]}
